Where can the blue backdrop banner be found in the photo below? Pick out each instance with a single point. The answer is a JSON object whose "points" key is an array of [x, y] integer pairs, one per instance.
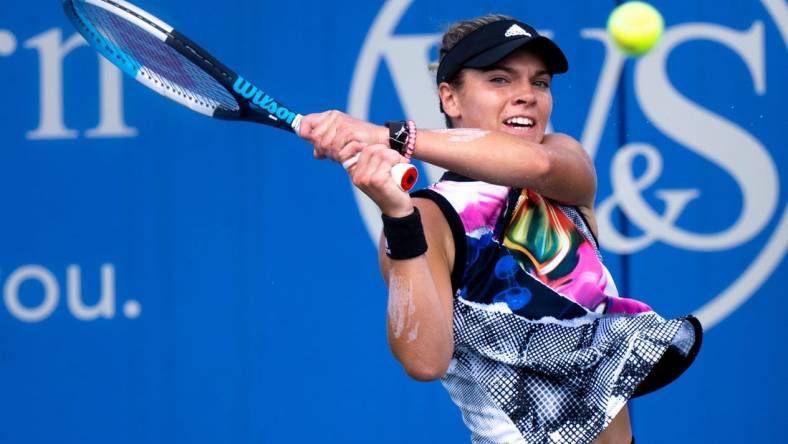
{"points": [[166, 277]]}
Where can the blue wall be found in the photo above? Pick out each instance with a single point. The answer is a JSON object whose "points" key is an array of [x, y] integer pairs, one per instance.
{"points": [[171, 278]]}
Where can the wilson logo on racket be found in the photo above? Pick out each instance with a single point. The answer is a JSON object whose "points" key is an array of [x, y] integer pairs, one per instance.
{"points": [[263, 100]]}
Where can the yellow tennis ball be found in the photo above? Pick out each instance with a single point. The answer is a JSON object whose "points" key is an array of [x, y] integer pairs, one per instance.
{"points": [[635, 27]]}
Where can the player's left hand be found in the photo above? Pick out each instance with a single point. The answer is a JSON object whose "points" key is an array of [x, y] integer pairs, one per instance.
{"points": [[337, 136], [372, 175]]}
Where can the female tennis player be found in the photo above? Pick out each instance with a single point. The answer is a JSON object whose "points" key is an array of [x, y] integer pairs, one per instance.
{"points": [[495, 280]]}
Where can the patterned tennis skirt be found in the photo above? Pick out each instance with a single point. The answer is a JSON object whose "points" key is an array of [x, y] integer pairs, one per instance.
{"points": [[559, 381]]}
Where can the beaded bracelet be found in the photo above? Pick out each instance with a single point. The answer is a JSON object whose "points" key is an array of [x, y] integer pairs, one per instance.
{"points": [[411, 143]]}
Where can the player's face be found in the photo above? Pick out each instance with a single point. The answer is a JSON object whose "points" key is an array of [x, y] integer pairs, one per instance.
{"points": [[512, 96]]}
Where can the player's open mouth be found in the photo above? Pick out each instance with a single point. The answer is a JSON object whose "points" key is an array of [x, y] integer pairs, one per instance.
{"points": [[519, 122]]}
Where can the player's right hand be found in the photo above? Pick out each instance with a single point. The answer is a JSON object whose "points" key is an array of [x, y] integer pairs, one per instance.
{"points": [[338, 136]]}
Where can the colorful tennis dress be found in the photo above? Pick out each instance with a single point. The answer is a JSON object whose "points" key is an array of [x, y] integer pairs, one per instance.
{"points": [[546, 351]]}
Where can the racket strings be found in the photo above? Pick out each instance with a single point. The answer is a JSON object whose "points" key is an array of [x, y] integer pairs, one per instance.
{"points": [[158, 62]]}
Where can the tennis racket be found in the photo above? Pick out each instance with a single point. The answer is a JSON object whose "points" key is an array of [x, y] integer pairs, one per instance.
{"points": [[166, 61]]}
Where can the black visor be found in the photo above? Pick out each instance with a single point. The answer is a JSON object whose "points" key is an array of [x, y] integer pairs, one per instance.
{"points": [[492, 42]]}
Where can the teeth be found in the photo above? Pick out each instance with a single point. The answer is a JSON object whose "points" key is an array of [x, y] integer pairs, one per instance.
{"points": [[523, 121]]}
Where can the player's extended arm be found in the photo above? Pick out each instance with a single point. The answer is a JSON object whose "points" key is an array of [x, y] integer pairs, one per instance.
{"points": [[419, 317], [557, 168]]}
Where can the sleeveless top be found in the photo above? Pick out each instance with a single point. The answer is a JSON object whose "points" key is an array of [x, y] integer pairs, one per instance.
{"points": [[545, 350]]}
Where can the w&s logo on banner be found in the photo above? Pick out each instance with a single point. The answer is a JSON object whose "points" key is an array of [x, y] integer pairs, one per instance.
{"points": [[757, 232]]}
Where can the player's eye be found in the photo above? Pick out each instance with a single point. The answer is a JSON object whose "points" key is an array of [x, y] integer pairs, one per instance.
{"points": [[541, 84]]}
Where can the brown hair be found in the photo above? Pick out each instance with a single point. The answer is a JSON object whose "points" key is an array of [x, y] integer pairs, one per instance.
{"points": [[453, 35]]}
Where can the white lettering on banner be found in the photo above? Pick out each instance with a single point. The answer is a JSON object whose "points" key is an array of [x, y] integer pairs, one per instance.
{"points": [[605, 90], [104, 308], [7, 43], [51, 53], [778, 9], [11, 293], [111, 122], [627, 188], [724, 144]]}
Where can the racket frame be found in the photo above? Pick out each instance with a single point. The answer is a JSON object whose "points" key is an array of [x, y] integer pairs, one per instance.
{"points": [[253, 104]]}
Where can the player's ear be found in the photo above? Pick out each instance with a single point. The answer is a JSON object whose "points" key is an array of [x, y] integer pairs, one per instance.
{"points": [[449, 100]]}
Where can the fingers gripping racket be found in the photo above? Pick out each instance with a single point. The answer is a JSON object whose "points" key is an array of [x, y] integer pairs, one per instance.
{"points": [[166, 61]]}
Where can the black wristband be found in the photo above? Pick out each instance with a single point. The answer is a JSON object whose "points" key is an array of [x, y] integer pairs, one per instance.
{"points": [[398, 135], [404, 236]]}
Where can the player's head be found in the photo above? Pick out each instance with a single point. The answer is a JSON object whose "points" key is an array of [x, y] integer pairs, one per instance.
{"points": [[494, 44]]}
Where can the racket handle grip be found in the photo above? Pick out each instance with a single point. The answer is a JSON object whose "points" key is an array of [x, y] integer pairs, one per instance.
{"points": [[404, 175], [296, 125]]}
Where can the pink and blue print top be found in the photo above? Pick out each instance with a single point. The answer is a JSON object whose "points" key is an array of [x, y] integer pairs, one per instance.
{"points": [[519, 248]]}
